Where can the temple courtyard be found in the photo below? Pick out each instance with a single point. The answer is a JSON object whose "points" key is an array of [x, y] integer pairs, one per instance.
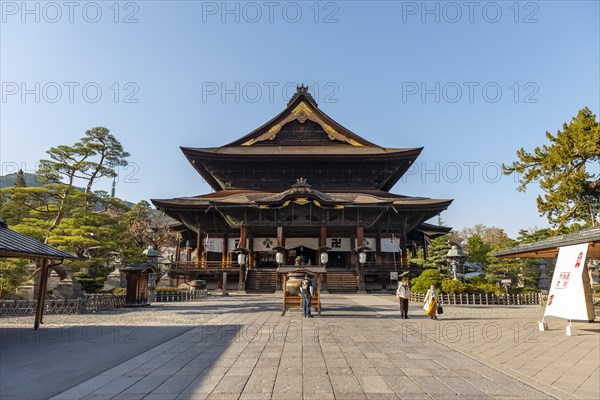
{"points": [[241, 347]]}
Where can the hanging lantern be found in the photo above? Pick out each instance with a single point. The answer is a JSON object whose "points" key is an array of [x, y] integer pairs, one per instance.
{"points": [[362, 257], [324, 258], [279, 258], [241, 259]]}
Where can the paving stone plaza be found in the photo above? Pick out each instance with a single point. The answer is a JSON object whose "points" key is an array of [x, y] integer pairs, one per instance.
{"points": [[240, 347]]}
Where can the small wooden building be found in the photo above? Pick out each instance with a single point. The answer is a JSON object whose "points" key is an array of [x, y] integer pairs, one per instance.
{"points": [[139, 282]]}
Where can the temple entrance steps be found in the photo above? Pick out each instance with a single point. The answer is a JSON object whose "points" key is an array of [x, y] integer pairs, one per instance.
{"points": [[261, 281], [342, 282]]}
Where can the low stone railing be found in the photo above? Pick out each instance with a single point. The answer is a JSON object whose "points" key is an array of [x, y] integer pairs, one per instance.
{"points": [[180, 295], [83, 305]]}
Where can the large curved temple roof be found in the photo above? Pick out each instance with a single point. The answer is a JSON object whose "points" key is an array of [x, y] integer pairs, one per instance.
{"points": [[336, 157], [336, 172]]}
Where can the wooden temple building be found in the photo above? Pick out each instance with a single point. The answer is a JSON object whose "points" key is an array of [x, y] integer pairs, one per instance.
{"points": [[301, 184]]}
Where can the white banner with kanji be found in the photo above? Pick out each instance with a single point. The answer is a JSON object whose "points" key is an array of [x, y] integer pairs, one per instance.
{"points": [[566, 298], [264, 244]]}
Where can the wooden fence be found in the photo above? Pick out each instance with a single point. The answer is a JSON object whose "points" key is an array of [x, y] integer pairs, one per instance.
{"points": [[180, 295], [83, 305], [485, 298]]}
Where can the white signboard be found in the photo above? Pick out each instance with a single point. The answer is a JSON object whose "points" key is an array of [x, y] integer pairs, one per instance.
{"points": [[390, 245], [264, 244], [311, 243], [214, 245], [566, 298]]}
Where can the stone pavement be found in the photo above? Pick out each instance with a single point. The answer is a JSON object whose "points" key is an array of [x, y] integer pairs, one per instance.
{"points": [[568, 367], [358, 349]]}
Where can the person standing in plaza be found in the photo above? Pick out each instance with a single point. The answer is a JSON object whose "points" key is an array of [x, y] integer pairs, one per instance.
{"points": [[430, 305], [306, 290], [402, 293]]}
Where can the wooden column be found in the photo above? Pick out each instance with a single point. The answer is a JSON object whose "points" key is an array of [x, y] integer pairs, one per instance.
{"points": [[177, 248], [243, 236], [403, 247], [242, 244], [280, 242], [322, 283], [360, 241], [360, 236], [280, 237], [39, 308], [322, 241], [425, 248], [224, 250], [199, 247]]}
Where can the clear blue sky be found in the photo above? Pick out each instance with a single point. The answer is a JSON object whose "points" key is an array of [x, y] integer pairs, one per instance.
{"points": [[369, 60]]}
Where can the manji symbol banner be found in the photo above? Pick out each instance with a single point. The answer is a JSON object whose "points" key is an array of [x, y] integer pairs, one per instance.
{"points": [[567, 294]]}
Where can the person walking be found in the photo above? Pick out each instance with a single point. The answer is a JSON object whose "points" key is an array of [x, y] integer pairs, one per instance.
{"points": [[430, 305], [402, 293], [306, 290]]}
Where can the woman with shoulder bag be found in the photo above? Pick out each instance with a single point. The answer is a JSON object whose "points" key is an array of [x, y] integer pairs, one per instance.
{"points": [[431, 303]]}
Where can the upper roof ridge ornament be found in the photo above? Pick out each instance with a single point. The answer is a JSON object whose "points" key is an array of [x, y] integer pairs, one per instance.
{"points": [[301, 186], [302, 89]]}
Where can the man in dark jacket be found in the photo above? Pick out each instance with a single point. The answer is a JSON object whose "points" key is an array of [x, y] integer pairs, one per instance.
{"points": [[306, 290], [402, 293]]}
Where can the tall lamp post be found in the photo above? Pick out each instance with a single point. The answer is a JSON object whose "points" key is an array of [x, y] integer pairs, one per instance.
{"points": [[280, 260], [362, 260], [454, 255], [152, 256], [242, 260]]}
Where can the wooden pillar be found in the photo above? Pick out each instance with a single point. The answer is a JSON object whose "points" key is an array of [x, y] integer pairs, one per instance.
{"points": [[177, 248], [403, 247], [425, 248], [378, 258], [199, 247], [224, 250], [250, 259], [280, 237], [242, 274], [360, 240], [322, 241], [360, 236], [280, 242], [39, 308]]}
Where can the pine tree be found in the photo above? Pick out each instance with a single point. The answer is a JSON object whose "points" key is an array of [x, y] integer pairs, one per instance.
{"points": [[567, 172], [20, 182]]}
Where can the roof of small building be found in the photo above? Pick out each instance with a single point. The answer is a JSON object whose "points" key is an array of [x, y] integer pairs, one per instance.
{"points": [[548, 248], [17, 245]]}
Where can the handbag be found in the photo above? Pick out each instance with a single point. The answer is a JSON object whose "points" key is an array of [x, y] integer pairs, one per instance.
{"points": [[440, 310]]}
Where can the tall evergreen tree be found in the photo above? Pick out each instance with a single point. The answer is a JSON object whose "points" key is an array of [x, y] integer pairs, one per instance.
{"points": [[20, 182], [567, 171]]}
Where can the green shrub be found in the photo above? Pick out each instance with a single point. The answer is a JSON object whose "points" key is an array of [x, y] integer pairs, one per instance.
{"points": [[120, 290], [165, 289], [452, 286], [100, 279], [90, 285], [421, 283]]}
